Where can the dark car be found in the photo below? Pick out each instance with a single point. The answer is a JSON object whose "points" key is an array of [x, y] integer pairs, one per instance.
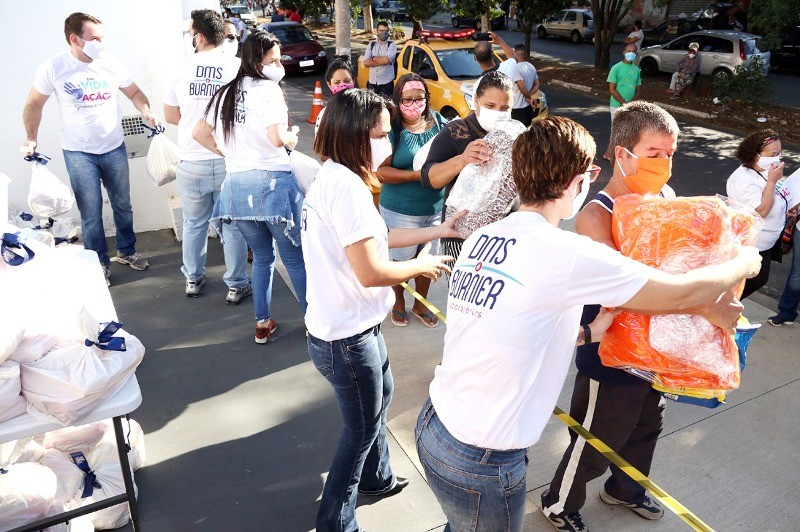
{"points": [[392, 11], [498, 23], [722, 16], [301, 53], [658, 34], [787, 57]]}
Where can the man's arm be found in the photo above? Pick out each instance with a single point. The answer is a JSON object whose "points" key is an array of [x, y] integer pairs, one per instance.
{"points": [[140, 101], [631, 39], [503, 44], [32, 117], [612, 88], [172, 114], [523, 90], [535, 86]]}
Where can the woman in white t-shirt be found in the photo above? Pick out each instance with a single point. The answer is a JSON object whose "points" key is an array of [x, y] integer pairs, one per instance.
{"points": [[260, 194], [514, 307], [346, 244], [753, 184]]}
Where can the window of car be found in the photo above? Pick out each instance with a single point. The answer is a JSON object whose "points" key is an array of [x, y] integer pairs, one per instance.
{"points": [[292, 35], [558, 17], [716, 45], [459, 63], [406, 56], [571, 16], [420, 61], [681, 43]]}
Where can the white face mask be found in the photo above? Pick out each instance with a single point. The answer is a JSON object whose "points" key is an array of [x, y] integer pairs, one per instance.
{"points": [[230, 47], [381, 149], [273, 73], [766, 162], [577, 201], [93, 49], [488, 118]]}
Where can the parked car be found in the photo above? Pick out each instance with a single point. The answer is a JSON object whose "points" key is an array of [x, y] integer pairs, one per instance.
{"points": [[577, 24], [245, 14], [392, 11], [658, 34], [720, 52], [301, 53], [787, 57], [497, 23], [715, 16], [447, 63]]}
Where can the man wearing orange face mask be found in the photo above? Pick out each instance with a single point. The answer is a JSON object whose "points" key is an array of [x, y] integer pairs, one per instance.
{"points": [[622, 410]]}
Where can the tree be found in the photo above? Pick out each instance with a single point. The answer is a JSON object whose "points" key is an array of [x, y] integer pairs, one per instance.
{"points": [[369, 24], [607, 15], [479, 9], [419, 10], [770, 18], [531, 12]]}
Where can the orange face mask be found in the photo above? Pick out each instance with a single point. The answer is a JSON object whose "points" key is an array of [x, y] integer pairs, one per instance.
{"points": [[650, 176]]}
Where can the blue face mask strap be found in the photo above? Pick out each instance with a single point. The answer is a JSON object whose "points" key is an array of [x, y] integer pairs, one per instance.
{"points": [[153, 130], [14, 252], [37, 157], [106, 339]]}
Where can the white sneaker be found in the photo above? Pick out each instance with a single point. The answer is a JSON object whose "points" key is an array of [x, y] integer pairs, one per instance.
{"points": [[193, 288]]}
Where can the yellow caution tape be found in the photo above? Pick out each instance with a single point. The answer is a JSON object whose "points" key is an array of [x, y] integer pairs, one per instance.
{"points": [[665, 498]]}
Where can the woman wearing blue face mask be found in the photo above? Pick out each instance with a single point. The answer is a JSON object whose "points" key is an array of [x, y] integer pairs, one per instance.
{"points": [[754, 184], [249, 119], [460, 142]]}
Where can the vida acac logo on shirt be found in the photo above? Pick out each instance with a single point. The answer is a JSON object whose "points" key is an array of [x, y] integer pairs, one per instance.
{"points": [[88, 91], [481, 279], [208, 80]]}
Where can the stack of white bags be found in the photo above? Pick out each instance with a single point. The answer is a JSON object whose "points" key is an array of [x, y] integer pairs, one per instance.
{"points": [[57, 366]]}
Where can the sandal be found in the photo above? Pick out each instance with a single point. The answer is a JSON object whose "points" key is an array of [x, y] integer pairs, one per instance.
{"points": [[399, 318], [427, 318]]}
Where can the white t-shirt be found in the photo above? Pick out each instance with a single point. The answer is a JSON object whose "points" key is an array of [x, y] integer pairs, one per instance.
{"points": [[746, 186], [88, 100], [509, 68], [259, 105], [339, 211], [514, 308], [640, 35], [198, 78], [529, 77]]}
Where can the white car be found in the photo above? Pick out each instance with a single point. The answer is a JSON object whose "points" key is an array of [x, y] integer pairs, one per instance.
{"points": [[245, 14], [577, 24], [720, 52]]}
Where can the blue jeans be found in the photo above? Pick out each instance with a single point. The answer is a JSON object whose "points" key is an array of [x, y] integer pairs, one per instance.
{"points": [[86, 172], [262, 236], [397, 220], [479, 490], [358, 369], [199, 184], [787, 306]]}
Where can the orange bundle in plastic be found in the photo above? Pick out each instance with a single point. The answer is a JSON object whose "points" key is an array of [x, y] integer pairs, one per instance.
{"points": [[676, 236]]}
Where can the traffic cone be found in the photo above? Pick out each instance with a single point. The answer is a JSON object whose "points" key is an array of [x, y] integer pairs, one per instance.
{"points": [[316, 105]]}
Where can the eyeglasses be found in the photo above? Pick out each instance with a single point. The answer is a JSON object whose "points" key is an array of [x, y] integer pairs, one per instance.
{"points": [[593, 172], [410, 101]]}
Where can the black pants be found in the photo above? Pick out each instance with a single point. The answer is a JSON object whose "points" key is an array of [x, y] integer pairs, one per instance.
{"points": [[524, 115], [752, 285], [384, 90], [628, 418]]}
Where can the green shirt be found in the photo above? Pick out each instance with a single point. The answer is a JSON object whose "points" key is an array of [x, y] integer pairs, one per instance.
{"points": [[627, 77], [410, 198]]}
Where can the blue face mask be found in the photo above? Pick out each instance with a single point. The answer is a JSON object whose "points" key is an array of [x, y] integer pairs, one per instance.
{"points": [[630, 56]]}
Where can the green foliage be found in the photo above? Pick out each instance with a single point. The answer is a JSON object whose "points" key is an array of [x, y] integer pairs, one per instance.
{"points": [[420, 10], [470, 8], [770, 17], [531, 12], [311, 8], [747, 83]]}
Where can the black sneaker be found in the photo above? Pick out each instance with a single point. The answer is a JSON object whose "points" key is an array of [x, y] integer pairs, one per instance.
{"points": [[648, 508], [567, 522], [778, 321], [135, 261]]}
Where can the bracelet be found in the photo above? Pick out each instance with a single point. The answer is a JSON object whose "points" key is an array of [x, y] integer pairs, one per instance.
{"points": [[587, 335]]}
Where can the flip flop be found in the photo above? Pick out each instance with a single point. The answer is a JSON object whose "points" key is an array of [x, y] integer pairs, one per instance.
{"points": [[399, 319], [427, 315]]}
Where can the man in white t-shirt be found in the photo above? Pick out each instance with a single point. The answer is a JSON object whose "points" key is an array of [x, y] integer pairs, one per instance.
{"points": [[521, 107], [86, 81], [200, 172], [514, 307], [636, 37]]}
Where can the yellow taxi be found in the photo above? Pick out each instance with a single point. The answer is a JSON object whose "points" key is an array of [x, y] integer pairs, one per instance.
{"points": [[446, 61]]}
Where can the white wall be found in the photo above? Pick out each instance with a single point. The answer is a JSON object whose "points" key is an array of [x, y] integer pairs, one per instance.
{"points": [[146, 35]]}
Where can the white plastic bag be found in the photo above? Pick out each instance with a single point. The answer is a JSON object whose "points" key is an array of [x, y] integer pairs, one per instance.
{"points": [[305, 169], [89, 438], [422, 155], [12, 403], [48, 195], [70, 478], [26, 494], [10, 451], [69, 382], [162, 159]]}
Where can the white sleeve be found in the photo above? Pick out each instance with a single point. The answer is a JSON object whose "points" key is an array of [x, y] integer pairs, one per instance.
{"points": [[744, 190], [603, 276], [391, 51], [272, 105], [43, 81], [351, 215]]}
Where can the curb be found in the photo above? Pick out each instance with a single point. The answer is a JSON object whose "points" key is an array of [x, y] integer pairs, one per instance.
{"points": [[571, 86]]}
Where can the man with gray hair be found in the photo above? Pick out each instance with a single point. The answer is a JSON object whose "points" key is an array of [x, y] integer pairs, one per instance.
{"points": [[622, 410]]}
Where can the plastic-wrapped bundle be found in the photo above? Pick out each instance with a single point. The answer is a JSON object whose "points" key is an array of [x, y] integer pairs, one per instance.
{"points": [[676, 236], [26, 494], [88, 438], [12, 404], [487, 191]]}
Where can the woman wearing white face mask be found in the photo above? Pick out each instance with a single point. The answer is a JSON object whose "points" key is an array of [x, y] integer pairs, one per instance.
{"points": [[753, 184], [349, 274], [461, 142], [249, 118]]}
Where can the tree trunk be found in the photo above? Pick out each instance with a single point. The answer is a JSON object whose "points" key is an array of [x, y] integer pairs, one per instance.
{"points": [[486, 20], [368, 23], [528, 32], [417, 27], [343, 28]]}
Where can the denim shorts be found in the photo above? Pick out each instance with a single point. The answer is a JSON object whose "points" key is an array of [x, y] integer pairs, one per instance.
{"points": [[396, 220]]}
